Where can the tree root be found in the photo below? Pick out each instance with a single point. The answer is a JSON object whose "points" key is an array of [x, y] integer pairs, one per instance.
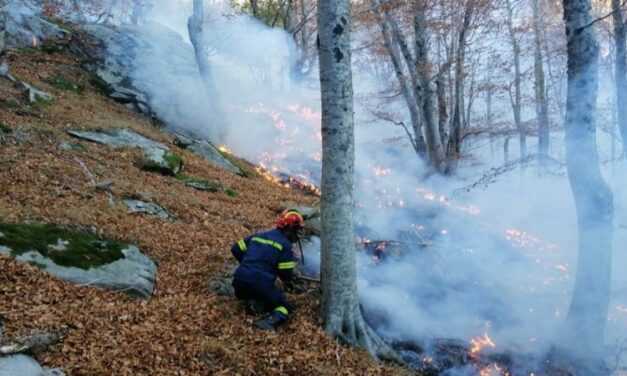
{"points": [[353, 330]]}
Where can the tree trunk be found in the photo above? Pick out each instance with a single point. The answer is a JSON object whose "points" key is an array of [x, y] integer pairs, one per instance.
{"points": [[341, 311], [517, 96], [395, 44], [542, 106], [4, 66], [620, 73], [196, 36], [587, 316], [488, 118], [423, 90], [455, 138], [254, 7], [442, 107]]}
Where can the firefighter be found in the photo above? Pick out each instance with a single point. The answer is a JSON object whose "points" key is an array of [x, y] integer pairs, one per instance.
{"points": [[262, 257]]}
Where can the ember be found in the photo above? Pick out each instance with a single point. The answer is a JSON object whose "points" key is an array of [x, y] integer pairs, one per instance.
{"points": [[493, 370], [478, 344]]}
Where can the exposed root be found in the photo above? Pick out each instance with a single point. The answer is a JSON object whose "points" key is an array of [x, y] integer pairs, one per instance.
{"points": [[351, 329]]}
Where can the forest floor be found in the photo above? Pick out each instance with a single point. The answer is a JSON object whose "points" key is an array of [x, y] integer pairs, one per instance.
{"points": [[184, 329]]}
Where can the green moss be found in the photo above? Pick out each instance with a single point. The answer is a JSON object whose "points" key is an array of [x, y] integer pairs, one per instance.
{"points": [[82, 250], [9, 103], [245, 171], [231, 192], [100, 85], [175, 163], [62, 83], [200, 184], [27, 50], [41, 103], [51, 47], [172, 164], [4, 129]]}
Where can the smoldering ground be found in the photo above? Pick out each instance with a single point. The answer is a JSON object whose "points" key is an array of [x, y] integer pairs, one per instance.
{"points": [[496, 261]]}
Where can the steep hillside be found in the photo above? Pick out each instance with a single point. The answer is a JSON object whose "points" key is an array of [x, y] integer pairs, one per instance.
{"points": [[184, 329]]}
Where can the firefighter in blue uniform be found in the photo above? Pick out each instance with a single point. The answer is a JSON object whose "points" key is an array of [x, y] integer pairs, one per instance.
{"points": [[262, 257]]}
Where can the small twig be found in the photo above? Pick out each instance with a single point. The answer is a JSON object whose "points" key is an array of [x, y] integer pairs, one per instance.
{"points": [[90, 176], [579, 30]]}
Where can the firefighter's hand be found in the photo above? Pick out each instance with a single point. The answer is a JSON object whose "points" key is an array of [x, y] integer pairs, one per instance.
{"points": [[294, 287]]}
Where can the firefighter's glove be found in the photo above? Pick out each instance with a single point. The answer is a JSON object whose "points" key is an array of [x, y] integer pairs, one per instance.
{"points": [[295, 287]]}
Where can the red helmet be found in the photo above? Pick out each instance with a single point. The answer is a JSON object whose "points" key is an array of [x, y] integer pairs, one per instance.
{"points": [[290, 219]]}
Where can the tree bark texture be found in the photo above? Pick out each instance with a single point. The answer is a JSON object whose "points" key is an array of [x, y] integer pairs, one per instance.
{"points": [[455, 138], [393, 47], [424, 93], [620, 71], [341, 311], [587, 316], [516, 97], [542, 106]]}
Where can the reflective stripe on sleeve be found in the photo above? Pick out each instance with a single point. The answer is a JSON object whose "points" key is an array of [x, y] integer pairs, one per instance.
{"points": [[287, 265], [268, 242], [282, 310], [242, 245]]}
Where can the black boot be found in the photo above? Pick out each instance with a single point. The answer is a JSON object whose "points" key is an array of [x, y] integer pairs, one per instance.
{"points": [[271, 322], [255, 307]]}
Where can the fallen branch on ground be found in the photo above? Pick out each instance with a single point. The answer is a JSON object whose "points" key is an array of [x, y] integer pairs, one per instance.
{"points": [[36, 341]]}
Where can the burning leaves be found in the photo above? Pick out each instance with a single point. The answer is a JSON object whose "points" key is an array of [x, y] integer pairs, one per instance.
{"points": [[523, 239], [478, 344]]}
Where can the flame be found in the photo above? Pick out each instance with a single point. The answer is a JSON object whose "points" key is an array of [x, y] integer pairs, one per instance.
{"points": [[381, 171], [494, 370], [443, 200], [523, 239], [225, 149], [478, 344]]}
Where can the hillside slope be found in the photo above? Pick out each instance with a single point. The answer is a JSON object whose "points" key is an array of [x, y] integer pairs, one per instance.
{"points": [[47, 176]]}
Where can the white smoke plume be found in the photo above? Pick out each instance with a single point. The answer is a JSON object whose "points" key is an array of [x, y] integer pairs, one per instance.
{"points": [[500, 260]]}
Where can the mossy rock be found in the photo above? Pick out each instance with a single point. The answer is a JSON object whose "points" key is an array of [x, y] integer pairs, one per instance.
{"points": [[63, 83], [200, 184], [244, 170], [100, 85], [64, 247], [162, 161]]}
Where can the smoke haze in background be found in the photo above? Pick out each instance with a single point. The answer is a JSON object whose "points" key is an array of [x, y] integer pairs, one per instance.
{"points": [[502, 259]]}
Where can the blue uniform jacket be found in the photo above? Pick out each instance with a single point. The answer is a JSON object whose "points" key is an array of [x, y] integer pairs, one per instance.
{"points": [[263, 257]]}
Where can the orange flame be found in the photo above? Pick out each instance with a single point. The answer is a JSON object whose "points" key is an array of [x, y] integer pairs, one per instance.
{"points": [[494, 370], [478, 344]]}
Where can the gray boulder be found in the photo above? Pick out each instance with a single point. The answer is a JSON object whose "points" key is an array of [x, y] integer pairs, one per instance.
{"points": [[208, 152], [22, 365], [119, 138], [80, 258], [131, 61], [137, 206], [157, 156], [25, 25]]}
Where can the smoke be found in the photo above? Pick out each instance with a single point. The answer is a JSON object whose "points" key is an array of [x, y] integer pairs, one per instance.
{"points": [[495, 261]]}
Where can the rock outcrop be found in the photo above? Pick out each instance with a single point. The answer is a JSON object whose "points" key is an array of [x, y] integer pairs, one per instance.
{"points": [[157, 156], [79, 257]]}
